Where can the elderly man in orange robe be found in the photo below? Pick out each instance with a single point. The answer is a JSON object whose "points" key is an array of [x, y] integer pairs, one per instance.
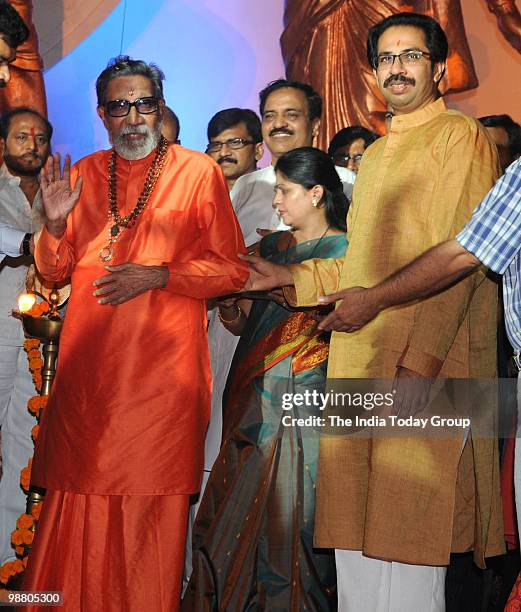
{"points": [[147, 232]]}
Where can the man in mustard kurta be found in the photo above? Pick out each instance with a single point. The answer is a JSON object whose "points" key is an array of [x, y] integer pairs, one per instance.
{"points": [[395, 508]]}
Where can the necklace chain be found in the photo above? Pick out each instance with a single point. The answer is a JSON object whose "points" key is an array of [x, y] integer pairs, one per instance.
{"points": [[121, 223], [290, 244]]}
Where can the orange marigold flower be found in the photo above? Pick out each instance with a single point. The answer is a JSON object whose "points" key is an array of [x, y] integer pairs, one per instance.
{"points": [[6, 572], [34, 432], [18, 566], [25, 476], [31, 343], [37, 379], [44, 307], [16, 537], [34, 353], [34, 405], [34, 311], [35, 363], [36, 509], [25, 521]]}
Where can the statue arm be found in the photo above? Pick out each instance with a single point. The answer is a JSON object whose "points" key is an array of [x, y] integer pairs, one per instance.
{"points": [[508, 20]]}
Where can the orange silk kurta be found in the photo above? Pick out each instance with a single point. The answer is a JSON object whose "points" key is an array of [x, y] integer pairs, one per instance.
{"points": [[130, 403]]}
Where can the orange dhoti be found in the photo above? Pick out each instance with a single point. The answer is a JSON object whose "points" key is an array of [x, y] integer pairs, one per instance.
{"points": [[110, 552]]}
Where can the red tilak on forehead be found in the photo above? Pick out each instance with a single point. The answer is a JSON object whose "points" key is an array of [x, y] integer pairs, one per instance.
{"points": [[33, 132]]}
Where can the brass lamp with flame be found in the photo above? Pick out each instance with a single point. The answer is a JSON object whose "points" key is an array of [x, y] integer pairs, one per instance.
{"points": [[47, 329]]}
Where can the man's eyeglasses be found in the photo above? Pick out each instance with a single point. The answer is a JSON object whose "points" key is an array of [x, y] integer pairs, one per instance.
{"points": [[121, 108], [341, 159], [233, 143], [406, 58]]}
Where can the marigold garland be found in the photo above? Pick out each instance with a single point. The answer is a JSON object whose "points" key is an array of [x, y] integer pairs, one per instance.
{"points": [[22, 537]]}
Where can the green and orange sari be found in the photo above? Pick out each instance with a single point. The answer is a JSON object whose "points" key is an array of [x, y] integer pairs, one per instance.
{"points": [[253, 537]]}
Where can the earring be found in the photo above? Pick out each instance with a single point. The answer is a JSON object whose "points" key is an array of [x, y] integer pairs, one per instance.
{"points": [[314, 202]]}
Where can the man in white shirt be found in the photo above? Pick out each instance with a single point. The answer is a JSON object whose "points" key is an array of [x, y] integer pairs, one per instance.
{"points": [[290, 113], [26, 140]]}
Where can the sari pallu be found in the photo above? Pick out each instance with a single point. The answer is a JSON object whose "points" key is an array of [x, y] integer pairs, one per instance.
{"points": [[253, 537]]}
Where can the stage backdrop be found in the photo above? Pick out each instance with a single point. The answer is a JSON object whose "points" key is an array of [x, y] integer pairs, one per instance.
{"points": [[216, 54]]}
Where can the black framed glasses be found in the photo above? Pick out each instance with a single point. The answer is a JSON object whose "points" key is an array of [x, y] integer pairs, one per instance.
{"points": [[233, 143], [342, 159], [407, 58], [121, 108]]}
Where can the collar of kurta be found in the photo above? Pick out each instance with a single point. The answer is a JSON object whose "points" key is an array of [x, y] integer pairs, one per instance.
{"points": [[401, 123], [144, 161]]}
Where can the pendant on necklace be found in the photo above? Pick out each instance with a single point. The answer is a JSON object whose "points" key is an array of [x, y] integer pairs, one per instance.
{"points": [[114, 230], [106, 253]]}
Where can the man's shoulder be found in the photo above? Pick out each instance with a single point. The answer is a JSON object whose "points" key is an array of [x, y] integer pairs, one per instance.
{"points": [[189, 160], [256, 184], [455, 121], [93, 158], [264, 175]]}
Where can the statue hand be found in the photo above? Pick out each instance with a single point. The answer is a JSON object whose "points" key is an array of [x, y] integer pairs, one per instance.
{"points": [[510, 26]]}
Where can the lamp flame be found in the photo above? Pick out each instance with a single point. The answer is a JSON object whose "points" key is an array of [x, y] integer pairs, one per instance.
{"points": [[26, 301]]}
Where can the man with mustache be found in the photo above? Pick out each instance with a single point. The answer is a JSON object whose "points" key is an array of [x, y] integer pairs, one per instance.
{"points": [[147, 232], [25, 137], [235, 142], [290, 113], [395, 507]]}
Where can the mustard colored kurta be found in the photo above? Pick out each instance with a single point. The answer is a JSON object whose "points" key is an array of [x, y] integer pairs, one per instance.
{"points": [[396, 498], [130, 403]]}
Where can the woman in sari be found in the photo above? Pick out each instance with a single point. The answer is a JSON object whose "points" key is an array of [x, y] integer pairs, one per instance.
{"points": [[253, 536]]}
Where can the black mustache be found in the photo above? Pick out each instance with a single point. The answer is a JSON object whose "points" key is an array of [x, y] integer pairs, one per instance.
{"points": [[230, 160], [400, 78], [281, 131]]}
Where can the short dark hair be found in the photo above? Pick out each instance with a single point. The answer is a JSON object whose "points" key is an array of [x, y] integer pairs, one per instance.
{"points": [[7, 118], [435, 37], [123, 65], [229, 117], [347, 135], [512, 128], [308, 167], [314, 100], [12, 26], [169, 113]]}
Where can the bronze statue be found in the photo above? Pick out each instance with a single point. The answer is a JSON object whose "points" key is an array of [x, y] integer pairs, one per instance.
{"points": [[26, 87]]}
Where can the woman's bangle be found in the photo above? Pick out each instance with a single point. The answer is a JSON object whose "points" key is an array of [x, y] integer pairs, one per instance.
{"points": [[234, 320]]}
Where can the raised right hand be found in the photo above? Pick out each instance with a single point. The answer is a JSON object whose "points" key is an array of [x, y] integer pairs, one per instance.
{"points": [[57, 196]]}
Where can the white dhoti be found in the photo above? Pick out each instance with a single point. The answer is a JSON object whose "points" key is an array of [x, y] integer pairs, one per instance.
{"points": [[372, 585], [16, 387]]}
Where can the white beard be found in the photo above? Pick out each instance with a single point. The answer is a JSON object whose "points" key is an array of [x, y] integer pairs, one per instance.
{"points": [[136, 150]]}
